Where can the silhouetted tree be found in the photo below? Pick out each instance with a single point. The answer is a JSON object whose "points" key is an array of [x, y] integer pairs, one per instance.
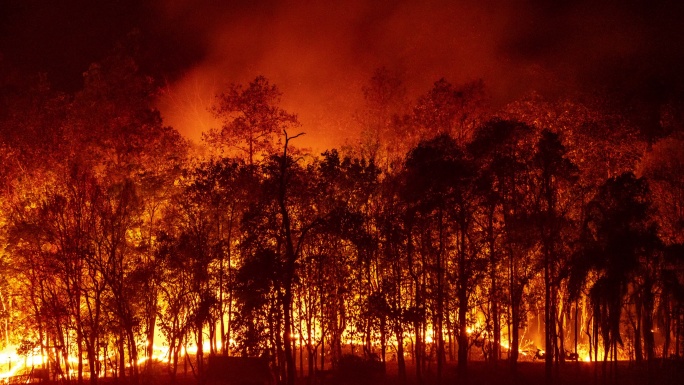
{"points": [[251, 117], [554, 178], [619, 242], [455, 111], [440, 181], [503, 151], [385, 100]]}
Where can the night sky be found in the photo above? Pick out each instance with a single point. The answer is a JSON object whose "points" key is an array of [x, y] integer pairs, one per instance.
{"points": [[320, 54]]}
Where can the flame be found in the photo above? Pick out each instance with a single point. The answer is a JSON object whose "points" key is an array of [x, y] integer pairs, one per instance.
{"points": [[16, 363]]}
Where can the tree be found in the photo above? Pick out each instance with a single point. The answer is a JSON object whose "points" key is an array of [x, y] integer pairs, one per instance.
{"points": [[385, 100], [251, 118], [112, 138], [285, 219], [395, 222], [619, 243], [223, 187], [32, 117], [554, 178], [113, 129], [345, 191], [439, 182], [450, 110], [66, 222], [662, 166], [600, 141], [504, 150], [176, 297], [293, 246]]}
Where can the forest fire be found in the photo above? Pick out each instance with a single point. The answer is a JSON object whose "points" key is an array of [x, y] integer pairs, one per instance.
{"points": [[482, 256], [413, 195], [11, 363]]}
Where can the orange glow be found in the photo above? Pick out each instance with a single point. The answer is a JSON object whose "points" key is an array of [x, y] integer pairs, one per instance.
{"points": [[16, 364]]}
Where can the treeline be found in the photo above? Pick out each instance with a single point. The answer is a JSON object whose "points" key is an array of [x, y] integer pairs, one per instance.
{"points": [[448, 227]]}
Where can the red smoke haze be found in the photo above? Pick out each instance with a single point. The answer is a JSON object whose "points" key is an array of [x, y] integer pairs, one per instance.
{"points": [[321, 54]]}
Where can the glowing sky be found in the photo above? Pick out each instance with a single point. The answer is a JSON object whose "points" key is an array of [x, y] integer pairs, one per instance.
{"points": [[321, 53]]}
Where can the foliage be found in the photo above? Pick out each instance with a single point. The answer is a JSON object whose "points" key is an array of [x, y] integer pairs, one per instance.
{"points": [[251, 118]]}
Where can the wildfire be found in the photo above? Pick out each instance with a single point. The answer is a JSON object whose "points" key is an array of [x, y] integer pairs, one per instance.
{"points": [[16, 363]]}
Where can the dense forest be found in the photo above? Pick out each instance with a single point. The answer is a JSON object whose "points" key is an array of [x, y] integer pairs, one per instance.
{"points": [[450, 231]]}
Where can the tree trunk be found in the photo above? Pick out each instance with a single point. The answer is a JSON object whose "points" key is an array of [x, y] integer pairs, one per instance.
{"points": [[418, 350], [401, 363], [516, 298], [290, 260], [637, 330], [287, 337], [493, 294], [668, 326], [463, 330], [549, 321], [649, 342], [122, 356], [462, 296], [133, 354]]}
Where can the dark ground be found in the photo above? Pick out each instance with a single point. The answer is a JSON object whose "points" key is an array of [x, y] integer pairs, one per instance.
{"points": [[479, 373], [569, 373]]}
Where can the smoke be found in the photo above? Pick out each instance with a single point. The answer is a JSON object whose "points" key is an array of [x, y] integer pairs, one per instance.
{"points": [[321, 54]]}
